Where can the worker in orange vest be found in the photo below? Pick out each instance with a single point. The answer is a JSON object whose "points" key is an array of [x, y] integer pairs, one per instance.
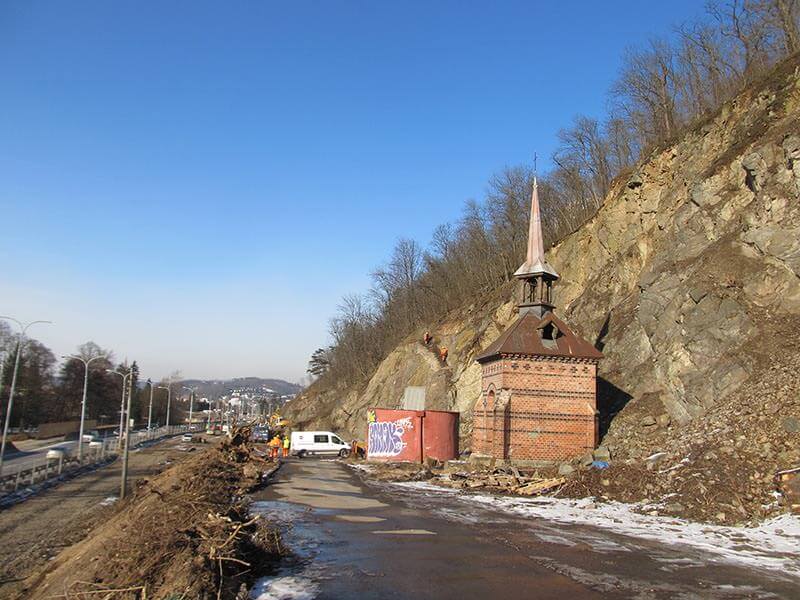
{"points": [[274, 447], [443, 353]]}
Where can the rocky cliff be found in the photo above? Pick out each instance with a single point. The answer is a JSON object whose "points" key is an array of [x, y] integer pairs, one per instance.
{"points": [[688, 279]]}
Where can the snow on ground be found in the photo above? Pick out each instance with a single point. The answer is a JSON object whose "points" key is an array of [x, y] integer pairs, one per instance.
{"points": [[775, 544], [289, 587], [361, 467]]}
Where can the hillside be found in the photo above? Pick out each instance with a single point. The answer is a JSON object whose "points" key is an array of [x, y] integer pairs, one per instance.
{"points": [[213, 388], [688, 279]]}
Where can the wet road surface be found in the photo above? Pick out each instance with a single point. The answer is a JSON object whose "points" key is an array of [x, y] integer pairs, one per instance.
{"points": [[352, 540]]}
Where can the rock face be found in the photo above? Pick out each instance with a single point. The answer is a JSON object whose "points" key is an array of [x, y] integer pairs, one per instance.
{"points": [[688, 279]]}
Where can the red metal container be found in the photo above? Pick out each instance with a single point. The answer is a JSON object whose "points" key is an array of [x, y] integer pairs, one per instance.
{"points": [[396, 435]]}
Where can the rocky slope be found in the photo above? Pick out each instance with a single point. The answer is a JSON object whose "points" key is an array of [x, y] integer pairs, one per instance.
{"points": [[688, 279]]}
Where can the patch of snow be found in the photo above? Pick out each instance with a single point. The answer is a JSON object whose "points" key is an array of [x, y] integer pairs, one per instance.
{"points": [[361, 467], [289, 587], [774, 544], [108, 501]]}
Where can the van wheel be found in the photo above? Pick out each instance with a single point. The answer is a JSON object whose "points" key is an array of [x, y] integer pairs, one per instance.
{"points": [[344, 453], [301, 454]]}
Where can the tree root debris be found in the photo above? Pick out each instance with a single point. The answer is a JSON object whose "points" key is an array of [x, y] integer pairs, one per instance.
{"points": [[185, 534]]}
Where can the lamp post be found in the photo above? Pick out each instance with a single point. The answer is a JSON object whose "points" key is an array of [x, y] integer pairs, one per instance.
{"points": [[86, 364], [2, 369], [123, 488], [191, 404], [150, 410], [122, 403], [23, 327], [167, 387]]}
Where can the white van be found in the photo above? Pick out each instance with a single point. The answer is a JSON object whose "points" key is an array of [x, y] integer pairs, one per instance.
{"points": [[308, 443]]}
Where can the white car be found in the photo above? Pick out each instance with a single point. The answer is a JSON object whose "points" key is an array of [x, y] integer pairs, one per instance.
{"points": [[186, 437], [310, 443]]}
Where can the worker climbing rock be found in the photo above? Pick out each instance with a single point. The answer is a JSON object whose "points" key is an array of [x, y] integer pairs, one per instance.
{"points": [[286, 443], [427, 338], [443, 354], [274, 447]]}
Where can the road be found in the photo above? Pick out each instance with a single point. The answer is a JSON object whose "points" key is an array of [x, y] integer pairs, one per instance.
{"points": [[352, 540], [33, 454], [36, 530]]}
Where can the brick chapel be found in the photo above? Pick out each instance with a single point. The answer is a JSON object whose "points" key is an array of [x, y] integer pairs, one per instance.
{"points": [[538, 398]]}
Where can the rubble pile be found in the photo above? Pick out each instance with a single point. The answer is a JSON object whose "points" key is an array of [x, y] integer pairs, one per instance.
{"points": [[460, 475], [721, 467], [187, 533]]}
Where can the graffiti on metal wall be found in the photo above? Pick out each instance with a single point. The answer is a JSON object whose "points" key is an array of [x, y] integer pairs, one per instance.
{"points": [[386, 437]]}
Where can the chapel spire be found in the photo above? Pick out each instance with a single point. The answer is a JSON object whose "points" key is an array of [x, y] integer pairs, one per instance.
{"points": [[535, 272]]}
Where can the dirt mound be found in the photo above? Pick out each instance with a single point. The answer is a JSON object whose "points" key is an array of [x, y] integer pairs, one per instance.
{"points": [[186, 533]]}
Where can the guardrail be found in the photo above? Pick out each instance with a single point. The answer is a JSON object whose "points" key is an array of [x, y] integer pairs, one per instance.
{"points": [[93, 456]]}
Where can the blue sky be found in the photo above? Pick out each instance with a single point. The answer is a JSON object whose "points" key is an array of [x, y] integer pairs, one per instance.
{"points": [[195, 185]]}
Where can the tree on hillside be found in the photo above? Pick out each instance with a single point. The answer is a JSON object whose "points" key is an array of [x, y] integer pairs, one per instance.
{"points": [[319, 363]]}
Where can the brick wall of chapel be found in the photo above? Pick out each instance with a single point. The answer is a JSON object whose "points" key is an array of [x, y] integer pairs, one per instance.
{"points": [[551, 414]]}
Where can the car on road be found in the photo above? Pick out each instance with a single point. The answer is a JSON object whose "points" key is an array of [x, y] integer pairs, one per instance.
{"points": [[310, 443], [186, 437], [56, 454], [261, 434]]}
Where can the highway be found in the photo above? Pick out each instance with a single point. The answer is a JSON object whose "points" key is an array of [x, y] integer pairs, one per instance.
{"points": [[33, 452]]}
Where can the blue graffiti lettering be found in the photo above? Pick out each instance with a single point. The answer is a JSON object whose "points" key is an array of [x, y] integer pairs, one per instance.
{"points": [[386, 438]]}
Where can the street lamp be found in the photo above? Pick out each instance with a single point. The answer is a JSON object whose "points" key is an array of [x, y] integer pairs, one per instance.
{"points": [[122, 404], [191, 403], [23, 327], [124, 483], [150, 410], [86, 364], [167, 387]]}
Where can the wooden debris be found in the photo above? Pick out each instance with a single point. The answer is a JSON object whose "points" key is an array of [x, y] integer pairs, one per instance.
{"points": [[502, 479], [540, 487]]}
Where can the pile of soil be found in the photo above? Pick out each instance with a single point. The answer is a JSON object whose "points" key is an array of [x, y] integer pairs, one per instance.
{"points": [[186, 533]]}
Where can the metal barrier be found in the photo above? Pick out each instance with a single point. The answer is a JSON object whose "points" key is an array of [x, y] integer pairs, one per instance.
{"points": [[49, 468]]}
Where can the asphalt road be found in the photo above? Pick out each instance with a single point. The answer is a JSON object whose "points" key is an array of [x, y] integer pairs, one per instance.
{"points": [[352, 540], [34, 456]]}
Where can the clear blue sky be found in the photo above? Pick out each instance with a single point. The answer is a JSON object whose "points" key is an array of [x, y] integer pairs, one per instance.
{"points": [[195, 185]]}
